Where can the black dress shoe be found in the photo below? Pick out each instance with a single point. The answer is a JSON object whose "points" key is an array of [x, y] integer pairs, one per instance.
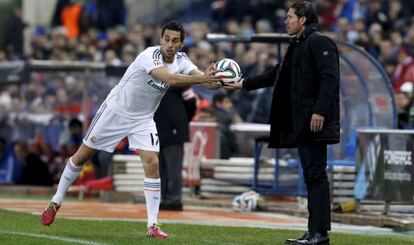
{"points": [[293, 241], [314, 238]]}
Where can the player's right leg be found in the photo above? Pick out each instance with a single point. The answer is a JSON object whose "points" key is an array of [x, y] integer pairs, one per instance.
{"points": [[69, 175], [144, 138], [152, 191]]}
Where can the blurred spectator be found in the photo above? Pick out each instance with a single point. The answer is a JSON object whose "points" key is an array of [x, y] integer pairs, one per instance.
{"points": [[111, 58], [35, 171], [226, 116], [345, 8], [73, 139], [375, 13], [386, 51], [345, 32], [402, 101], [396, 14], [408, 89], [404, 72], [60, 4], [128, 54], [111, 13], [13, 35], [327, 15], [10, 167], [70, 18], [389, 66]]}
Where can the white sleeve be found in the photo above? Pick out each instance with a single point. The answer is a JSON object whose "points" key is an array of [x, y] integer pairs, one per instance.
{"points": [[150, 59], [187, 65]]}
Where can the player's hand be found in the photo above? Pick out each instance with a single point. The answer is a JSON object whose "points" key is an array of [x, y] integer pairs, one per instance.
{"points": [[316, 123], [212, 67], [236, 85], [210, 75]]}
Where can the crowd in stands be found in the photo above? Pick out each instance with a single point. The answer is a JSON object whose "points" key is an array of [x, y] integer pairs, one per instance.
{"points": [[40, 112]]}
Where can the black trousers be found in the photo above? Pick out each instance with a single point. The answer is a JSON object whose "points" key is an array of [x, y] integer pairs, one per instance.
{"points": [[313, 160], [171, 166]]}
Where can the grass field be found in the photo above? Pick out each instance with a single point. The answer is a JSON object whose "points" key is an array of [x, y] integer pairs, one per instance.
{"points": [[19, 228]]}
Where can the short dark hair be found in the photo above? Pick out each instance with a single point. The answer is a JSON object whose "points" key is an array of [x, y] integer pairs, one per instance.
{"points": [[305, 9], [74, 122], [175, 26]]}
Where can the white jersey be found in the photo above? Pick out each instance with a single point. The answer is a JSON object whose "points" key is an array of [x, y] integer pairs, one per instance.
{"points": [[138, 94]]}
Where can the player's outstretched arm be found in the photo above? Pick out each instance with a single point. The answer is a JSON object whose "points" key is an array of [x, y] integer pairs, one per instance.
{"points": [[214, 85], [163, 74]]}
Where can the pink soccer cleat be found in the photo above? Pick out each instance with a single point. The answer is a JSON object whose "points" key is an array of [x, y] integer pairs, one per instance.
{"points": [[155, 231], [48, 215]]}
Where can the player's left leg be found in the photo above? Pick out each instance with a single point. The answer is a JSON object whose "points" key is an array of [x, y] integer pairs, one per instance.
{"points": [[152, 191], [69, 175], [104, 133]]}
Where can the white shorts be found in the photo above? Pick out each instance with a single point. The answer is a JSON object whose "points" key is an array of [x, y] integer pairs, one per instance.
{"points": [[107, 129]]}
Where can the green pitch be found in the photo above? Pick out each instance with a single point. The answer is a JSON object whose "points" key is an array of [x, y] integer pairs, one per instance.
{"points": [[18, 228]]}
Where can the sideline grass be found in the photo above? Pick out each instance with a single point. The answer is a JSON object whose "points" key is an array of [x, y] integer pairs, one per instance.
{"points": [[19, 228]]}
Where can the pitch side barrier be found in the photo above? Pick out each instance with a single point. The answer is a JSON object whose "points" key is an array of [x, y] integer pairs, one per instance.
{"points": [[366, 101]]}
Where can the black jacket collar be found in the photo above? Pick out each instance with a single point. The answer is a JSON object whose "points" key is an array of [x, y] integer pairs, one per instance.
{"points": [[308, 30]]}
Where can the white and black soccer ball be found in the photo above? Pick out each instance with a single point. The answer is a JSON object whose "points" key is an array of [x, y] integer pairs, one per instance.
{"points": [[246, 202], [229, 70]]}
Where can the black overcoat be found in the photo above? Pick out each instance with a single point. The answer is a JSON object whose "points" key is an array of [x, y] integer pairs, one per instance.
{"points": [[306, 82], [173, 116]]}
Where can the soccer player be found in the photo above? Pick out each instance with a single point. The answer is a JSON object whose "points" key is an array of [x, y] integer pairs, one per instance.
{"points": [[128, 110]]}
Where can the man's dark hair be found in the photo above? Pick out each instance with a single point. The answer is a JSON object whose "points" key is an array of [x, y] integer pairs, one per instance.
{"points": [[74, 122], [305, 9], [175, 26]]}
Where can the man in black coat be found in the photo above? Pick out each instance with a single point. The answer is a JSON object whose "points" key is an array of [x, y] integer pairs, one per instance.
{"points": [[172, 118], [305, 110]]}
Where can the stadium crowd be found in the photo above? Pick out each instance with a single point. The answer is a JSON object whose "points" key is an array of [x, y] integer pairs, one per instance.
{"points": [[40, 112]]}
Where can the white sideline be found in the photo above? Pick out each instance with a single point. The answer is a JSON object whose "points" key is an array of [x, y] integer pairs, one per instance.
{"points": [[58, 238]]}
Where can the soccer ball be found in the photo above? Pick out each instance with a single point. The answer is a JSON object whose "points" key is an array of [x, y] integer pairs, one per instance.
{"points": [[246, 202], [229, 70]]}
